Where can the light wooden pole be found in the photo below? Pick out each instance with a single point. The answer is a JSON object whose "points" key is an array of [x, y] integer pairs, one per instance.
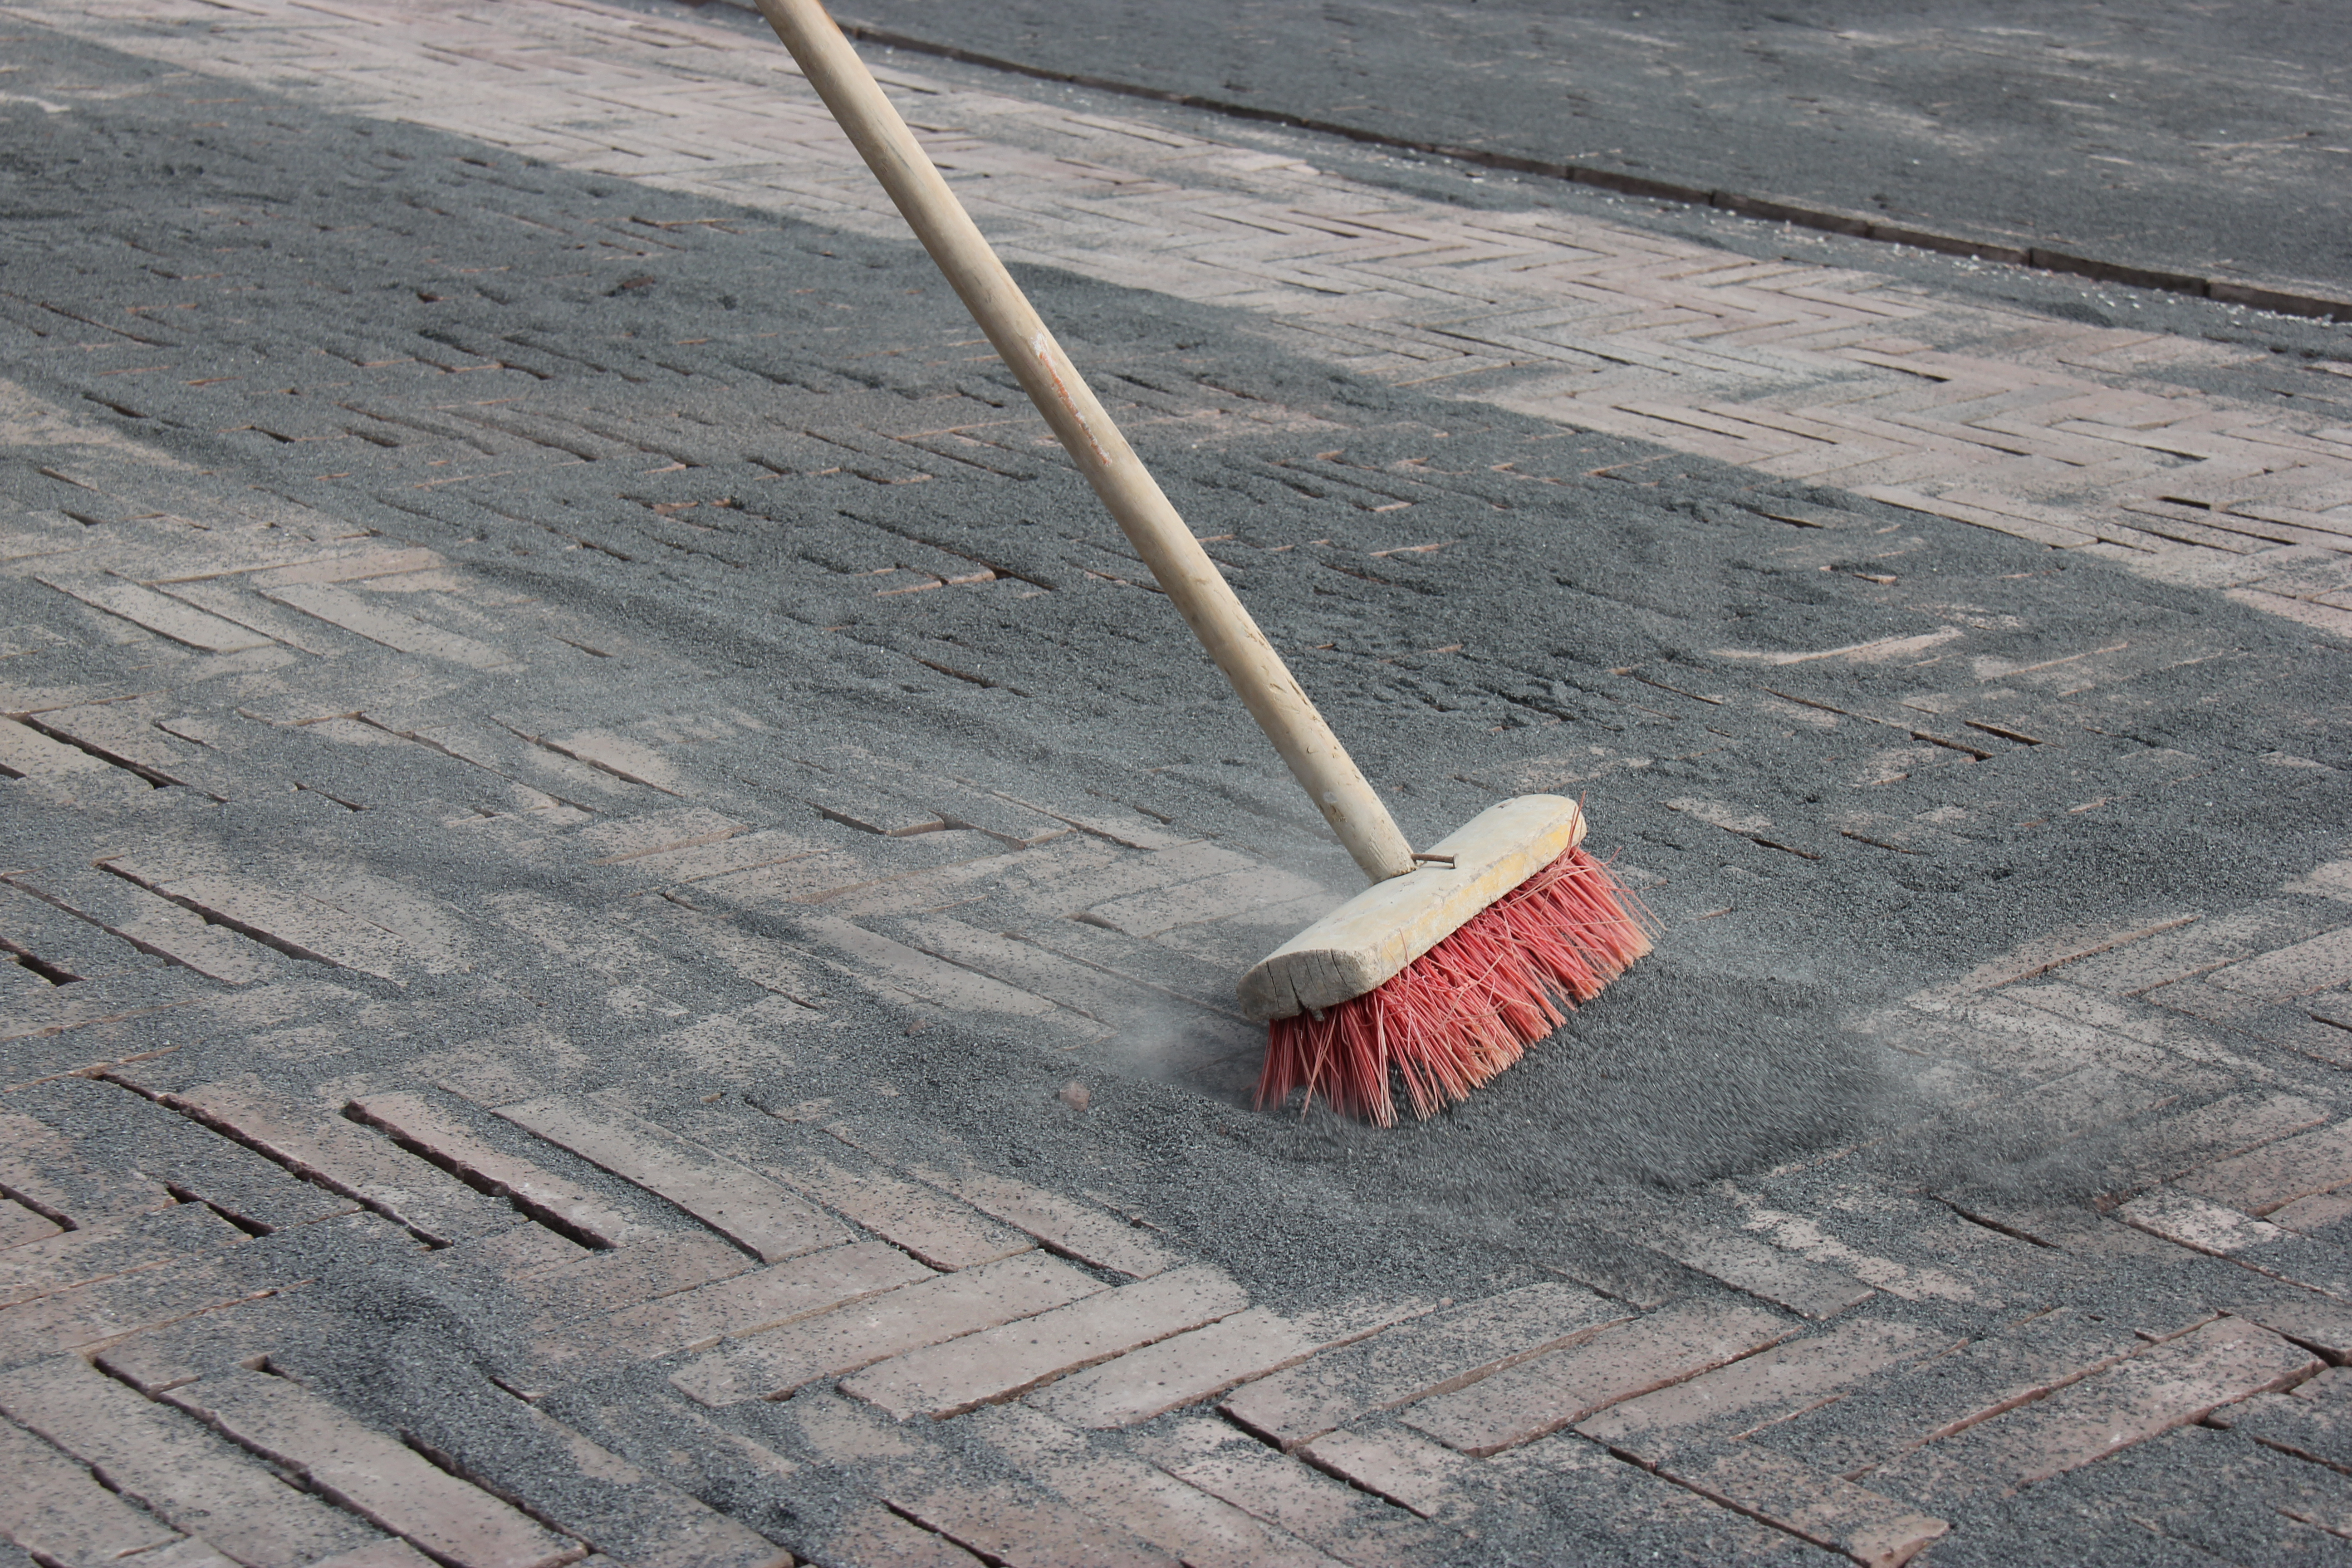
{"points": [[1181, 567]]}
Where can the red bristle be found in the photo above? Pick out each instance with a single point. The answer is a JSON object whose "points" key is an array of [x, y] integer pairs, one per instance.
{"points": [[1471, 1006]]}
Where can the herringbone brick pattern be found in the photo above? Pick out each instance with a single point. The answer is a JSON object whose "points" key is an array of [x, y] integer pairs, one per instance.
{"points": [[156, 1329], [2067, 435], [534, 931]]}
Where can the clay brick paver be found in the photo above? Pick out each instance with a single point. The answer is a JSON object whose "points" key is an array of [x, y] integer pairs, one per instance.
{"points": [[766, 1299], [2290, 972], [1874, 1531], [2253, 1244], [1205, 1532], [1944, 1394], [192, 1477], [1774, 379], [1417, 1359], [1347, 1523], [753, 1211], [19, 1225], [53, 1506], [1760, 1388], [1410, 1472], [938, 1229], [1204, 1364], [416, 1123], [1750, 1264], [392, 1552], [1073, 1228], [1002, 1519], [697, 874], [2169, 1386], [372, 1474], [2277, 1173], [774, 1363], [80, 1257], [39, 1164], [647, 1269], [1540, 1396], [1000, 1363], [348, 1159]]}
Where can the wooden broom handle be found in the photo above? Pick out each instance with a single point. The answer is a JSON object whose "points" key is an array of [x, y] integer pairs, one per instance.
{"points": [[1183, 568]]}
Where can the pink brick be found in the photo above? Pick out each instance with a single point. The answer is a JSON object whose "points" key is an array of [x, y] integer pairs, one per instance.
{"points": [[1410, 1472], [737, 1202], [425, 1129], [523, 1252], [81, 1256], [673, 1529], [1148, 1503], [1000, 1363], [317, 1144], [1747, 1264], [648, 1268], [93, 1315], [164, 1358], [1330, 1514], [1874, 1531], [2169, 1386], [1021, 1533], [2312, 1321], [1567, 1386], [2252, 1244], [936, 1229], [871, 1536], [193, 1479], [1949, 1393], [19, 1225], [187, 1552], [2279, 1172], [391, 1552], [1148, 914], [1073, 1228], [653, 832], [38, 1165], [1418, 1359], [769, 1365], [1764, 1387], [1001, 1521], [1206, 1361], [54, 1507], [2318, 965], [372, 1474], [766, 1299]]}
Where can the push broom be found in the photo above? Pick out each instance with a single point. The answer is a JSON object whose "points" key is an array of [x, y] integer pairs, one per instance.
{"points": [[1454, 961]]}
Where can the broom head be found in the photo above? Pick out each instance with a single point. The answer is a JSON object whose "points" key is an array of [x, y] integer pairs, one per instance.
{"points": [[1446, 975]]}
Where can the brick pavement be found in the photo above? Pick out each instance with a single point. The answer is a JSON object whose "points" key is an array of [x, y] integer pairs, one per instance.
{"points": [[2074, 436], [346, 866]]}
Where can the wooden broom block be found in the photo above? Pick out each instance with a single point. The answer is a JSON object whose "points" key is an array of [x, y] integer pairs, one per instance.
{"points": [[1374, 935]]}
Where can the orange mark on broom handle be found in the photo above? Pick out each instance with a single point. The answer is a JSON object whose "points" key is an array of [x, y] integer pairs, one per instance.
{"points": [[1042, 346]]}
